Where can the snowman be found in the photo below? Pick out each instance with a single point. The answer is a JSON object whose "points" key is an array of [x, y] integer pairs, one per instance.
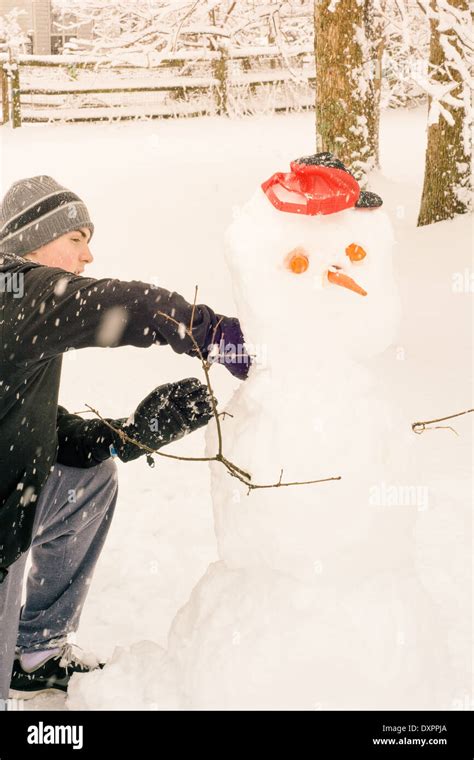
{"points": [[315, 602]]}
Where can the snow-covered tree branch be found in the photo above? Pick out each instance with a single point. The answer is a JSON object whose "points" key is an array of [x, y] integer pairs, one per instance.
{"points": [[11, 36], [148, 26]]}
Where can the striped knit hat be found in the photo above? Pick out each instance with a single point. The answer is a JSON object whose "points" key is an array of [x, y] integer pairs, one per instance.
{"points": [[37, 210]]}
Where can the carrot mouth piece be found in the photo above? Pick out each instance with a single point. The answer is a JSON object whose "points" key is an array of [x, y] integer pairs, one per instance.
{"points": [[340, 278]]}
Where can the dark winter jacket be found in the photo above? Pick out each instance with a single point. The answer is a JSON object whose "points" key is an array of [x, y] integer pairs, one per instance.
{"points": [[44, 312]]}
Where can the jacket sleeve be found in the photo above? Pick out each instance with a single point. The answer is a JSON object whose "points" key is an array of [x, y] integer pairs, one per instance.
{"points": [[82, 443], [61, 311]]}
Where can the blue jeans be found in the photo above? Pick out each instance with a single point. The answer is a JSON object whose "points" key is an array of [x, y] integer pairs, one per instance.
{"points": [[72, 519]]}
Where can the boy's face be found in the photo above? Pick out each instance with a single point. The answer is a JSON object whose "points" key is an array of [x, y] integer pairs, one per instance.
{"points": [[69, 252]]}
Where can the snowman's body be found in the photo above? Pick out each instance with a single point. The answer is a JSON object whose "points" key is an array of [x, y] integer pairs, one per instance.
{"points": [[315, 601]]}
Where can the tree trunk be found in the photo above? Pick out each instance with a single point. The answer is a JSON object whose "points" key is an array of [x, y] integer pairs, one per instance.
{"points": [[375, 37], [348, 51], [446, 188]]}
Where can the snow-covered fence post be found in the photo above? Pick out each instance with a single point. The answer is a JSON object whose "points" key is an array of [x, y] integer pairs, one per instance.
{"points": [[5, 99], [16, 106], [221, 72]]}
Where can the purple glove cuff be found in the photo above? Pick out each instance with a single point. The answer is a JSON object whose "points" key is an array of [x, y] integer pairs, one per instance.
{"points": [[228, 348]]}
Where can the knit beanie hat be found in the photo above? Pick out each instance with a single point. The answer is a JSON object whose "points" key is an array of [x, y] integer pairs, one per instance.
{"points": [[37, 210]]}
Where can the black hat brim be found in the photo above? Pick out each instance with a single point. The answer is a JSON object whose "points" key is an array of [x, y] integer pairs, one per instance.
{"points": [[368, 200]]}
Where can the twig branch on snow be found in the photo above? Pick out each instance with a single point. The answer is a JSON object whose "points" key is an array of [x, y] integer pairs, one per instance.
{"points": [[420, 427]]}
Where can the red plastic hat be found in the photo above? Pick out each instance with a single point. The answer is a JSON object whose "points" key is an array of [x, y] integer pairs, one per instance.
{"points": [[318, 184]]}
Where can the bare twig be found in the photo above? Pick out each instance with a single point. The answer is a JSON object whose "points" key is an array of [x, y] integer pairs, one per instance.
{"points": [[280, 484], [420, 427], [194, 308], [275, 20], [180, 24], [228, 13], [206, 367], [253, 486], [233, 470]]}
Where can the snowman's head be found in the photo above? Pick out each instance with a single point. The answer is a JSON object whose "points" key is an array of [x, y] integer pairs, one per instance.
{"points": [[320, 284]]}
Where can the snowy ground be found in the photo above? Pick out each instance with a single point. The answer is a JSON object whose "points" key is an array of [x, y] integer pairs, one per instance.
{"points": [[161, 196]]}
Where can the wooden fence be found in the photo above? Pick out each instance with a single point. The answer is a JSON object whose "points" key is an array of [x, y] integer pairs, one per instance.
{"points": [[74, 89]]}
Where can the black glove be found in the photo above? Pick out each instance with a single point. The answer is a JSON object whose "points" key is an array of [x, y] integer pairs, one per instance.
{"points": [[166, 414]]}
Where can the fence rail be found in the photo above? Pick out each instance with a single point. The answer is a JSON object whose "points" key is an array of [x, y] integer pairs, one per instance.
{"points": [[189, 83]]}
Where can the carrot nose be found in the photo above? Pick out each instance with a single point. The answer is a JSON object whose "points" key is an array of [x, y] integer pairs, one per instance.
{"points": [[340, 278]]}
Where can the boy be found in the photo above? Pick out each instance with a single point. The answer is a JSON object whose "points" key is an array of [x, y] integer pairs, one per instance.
{"points": [[47, 308]]}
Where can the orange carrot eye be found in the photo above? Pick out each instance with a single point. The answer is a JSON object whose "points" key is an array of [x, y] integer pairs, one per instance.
{"points": [[297, 261], [355, 252]]}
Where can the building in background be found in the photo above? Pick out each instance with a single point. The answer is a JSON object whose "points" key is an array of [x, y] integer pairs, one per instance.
{"points": [[64, 29], [42, 24]]}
